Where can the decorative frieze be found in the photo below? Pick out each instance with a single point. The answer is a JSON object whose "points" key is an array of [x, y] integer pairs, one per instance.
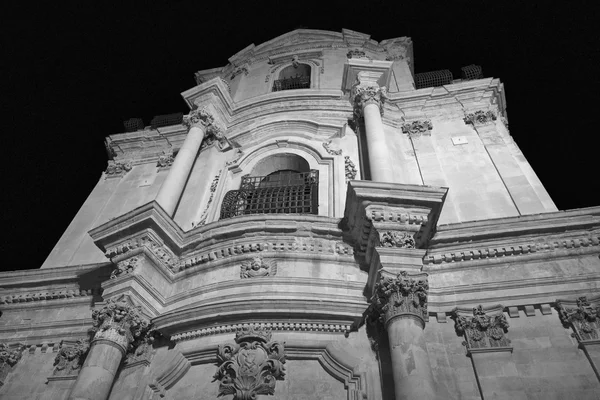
{"points": [[258, 267], [362, 96], [483, 329], [350, 169], [9, 356], [405, 294], [70, 357], [480, 118], [329, 150], [274, 326], [417, 128], [120, 323], [397, 239], [251, 366], [583, 316], [117, 168], [124, 267], [27, 297]]}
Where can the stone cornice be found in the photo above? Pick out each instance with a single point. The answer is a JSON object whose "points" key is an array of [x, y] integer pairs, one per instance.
{"points": [[572, 231]]}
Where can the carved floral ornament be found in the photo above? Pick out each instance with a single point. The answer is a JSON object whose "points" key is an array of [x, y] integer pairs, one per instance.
{"points": [[480, 118], [258, 267], [166, 159], [403, 295], [350, 169], [9, 356], [397, 239], [120, 323], [481, 330], [70, 357], [362, 96], [251, 366], [124, 267], [417, 128], [584, 318], [117, 168]]}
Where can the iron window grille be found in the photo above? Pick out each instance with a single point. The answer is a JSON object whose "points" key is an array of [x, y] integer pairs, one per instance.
{"points": [[287, 193], [297, 82]]}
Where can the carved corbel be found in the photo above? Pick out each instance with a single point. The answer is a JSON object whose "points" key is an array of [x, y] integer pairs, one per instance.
{"points": [[251, 366], [483, 329]]}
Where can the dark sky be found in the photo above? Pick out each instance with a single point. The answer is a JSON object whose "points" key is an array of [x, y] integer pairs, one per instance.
{"points": [[73, 72]]}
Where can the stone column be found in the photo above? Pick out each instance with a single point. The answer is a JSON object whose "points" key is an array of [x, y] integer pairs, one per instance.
{"points": [[368, 99], [116, 327], [402, 304], [199, 122]]}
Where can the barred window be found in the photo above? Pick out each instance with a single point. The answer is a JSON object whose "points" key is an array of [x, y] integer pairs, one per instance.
{"points": [[295, 76]]}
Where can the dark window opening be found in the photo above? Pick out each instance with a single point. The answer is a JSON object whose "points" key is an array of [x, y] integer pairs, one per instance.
{"points": [[282, 192], [295, 76]]}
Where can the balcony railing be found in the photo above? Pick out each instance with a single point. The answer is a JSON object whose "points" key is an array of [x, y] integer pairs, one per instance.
{"points": [[298, 82], [286, 193]]}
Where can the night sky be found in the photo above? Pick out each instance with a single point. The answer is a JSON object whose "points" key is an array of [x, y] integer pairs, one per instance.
{"points": [[73, 72]]}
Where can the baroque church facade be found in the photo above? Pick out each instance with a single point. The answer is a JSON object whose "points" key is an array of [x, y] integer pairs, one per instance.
{"points": [[322, 224]]}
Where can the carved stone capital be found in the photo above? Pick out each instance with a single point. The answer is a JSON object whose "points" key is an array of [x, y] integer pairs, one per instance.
{"points": [[165, 160], [70, 357], [403, 295], [480, 118], [397, 239], [258, 267], [363, 95], [117, 168], [9, 356], [482, 329], [251, 366], [583, 316], [120, 323], [417, 128], [201, 117], [124, 267]]}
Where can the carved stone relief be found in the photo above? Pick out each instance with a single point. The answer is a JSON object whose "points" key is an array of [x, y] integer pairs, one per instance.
{"points": [[356, 53], [362, 96], [258, 267], [583, 317], [9, 356], [212, 190], [142, 348], [120, 323], [479, 118], [350, 169], [329, 150], [397, 239], [406, 294], [251, 366], [166, 159], [124, 267], [483, 329], [70, 357], [417, 128], [117, 168]]}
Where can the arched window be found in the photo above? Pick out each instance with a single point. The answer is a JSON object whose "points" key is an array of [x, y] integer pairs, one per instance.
{"points": [[295, 76], [281, 183]]}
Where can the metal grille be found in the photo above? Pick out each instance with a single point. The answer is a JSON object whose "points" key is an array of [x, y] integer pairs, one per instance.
{"points": [[133, 124], [471, 72], [286, 193], [298, 82], [433, 78], [166, 120]]}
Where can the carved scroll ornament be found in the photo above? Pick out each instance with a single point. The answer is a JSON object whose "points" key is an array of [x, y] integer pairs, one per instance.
{"points": [[482, 330], [403, 295], [251, 366]]}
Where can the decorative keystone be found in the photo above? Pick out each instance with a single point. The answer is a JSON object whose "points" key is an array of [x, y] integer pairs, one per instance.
{"points": [[258, 267], [483, 329], [404, 295], [583, 316], [250, 367]]}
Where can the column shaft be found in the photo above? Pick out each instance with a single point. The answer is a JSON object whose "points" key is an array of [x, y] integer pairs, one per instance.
{"points": [[379, 161], [98, 372], [412, 371], [171, 190]]}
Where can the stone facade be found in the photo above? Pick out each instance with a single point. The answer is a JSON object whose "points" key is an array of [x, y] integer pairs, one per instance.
{"points": [[426, 262]]}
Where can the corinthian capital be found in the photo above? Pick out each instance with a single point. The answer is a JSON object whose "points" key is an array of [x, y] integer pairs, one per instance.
{"points": [[201, 117], [119, 323], [363, 95], [403, 295]]}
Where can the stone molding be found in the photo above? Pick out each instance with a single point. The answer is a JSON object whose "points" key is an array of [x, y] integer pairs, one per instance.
{"points": [[45, 295], [274, 326], [119, 323], [583, 316], [417, 128], [478, 118], [404, 295], [251, 366], [483, 329], [70, 357], [9, 357], [258, 267], [363, 95]]}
